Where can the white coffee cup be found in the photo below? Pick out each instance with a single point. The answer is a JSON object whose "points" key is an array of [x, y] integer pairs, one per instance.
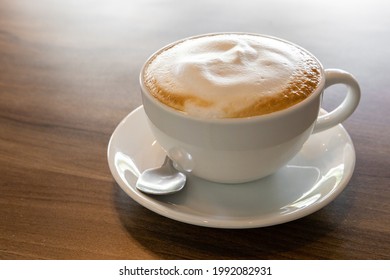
{"points": [[237, 150]]}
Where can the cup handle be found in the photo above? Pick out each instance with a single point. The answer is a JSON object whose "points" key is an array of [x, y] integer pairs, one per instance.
{"points": [[349, 104]]}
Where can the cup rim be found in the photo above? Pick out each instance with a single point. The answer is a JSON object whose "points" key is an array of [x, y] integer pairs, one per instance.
{"points": [[264, 117]]}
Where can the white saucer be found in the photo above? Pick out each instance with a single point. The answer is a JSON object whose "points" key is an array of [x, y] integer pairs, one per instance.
{"points": [[311, 180]]}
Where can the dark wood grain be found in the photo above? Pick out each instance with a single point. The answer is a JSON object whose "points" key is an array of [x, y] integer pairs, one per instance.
{"points": [[69, 74]]}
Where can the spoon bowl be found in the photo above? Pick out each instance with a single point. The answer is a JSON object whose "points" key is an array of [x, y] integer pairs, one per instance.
{"points": [[161, 180]]}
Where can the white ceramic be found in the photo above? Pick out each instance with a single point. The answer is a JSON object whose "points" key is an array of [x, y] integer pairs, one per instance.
{"points": [[312, 179], [245, 149]]}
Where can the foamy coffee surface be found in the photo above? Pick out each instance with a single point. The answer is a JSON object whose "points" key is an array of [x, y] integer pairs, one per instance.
{"points": [[231, 75]]}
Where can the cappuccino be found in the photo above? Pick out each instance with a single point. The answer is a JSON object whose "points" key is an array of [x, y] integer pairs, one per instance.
{"points": [[231, 75]]}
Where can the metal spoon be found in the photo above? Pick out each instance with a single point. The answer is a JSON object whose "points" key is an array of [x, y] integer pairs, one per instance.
{"points": [[161, 180]]}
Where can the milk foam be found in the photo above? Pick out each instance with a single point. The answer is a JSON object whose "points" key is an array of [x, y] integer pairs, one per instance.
{"points": [[219, 76]]}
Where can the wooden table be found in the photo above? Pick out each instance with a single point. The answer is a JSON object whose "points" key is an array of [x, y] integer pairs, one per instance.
{"points": [[69, 75]]}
